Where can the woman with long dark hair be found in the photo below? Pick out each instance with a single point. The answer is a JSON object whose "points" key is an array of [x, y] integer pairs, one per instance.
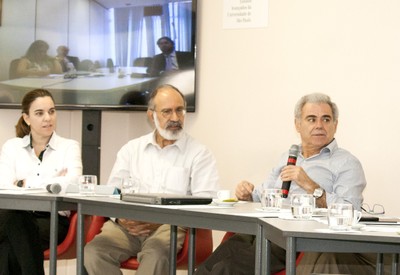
{"points": [[35, 158], [37, 62]]}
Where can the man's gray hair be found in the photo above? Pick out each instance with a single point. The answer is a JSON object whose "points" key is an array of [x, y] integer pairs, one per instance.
{"points": [[315, 98], [151, 105]]}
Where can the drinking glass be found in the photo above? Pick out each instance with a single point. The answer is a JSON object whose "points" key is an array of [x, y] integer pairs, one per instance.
{"points": [[340, 216], [271, 199], [129, 186], [87, 184], [302, 205]]}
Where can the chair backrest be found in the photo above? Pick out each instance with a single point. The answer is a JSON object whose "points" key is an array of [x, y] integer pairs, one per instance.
{"points": [[67, 249], [96, 224], [86, 65], [204, 247], [12, 71], [142, 62]]}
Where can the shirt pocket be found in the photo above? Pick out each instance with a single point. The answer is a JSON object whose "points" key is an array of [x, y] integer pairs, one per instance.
{"points": [[177, 180]]}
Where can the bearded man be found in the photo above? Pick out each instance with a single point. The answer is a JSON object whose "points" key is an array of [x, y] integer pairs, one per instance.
{"points": [[167, 160]]}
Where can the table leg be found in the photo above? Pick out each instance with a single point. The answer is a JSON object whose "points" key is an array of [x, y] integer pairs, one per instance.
{"points": [[80, 243], [379, 263], [259, 244], [192, 250], [395, 263], [266, 264], [172, 252], [53, 237], [291, 256]]}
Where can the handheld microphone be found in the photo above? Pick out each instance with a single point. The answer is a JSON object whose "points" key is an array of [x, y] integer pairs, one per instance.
{"points": [[293, 153], [53, 188]]}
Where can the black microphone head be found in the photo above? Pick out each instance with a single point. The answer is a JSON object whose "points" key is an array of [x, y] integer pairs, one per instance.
{"points": [[294, 150], [54, 188]]}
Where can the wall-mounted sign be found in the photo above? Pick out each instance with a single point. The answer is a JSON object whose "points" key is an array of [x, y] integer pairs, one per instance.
{"points": [[241, 14]]}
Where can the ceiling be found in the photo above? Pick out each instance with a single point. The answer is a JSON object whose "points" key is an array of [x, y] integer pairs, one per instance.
{"points": [[131, 3]]}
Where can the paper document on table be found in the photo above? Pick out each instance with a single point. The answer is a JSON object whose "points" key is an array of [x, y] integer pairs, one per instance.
{"points": [[259, 214], [187, 206], [380, 228], [21, 190], [327, 230]]}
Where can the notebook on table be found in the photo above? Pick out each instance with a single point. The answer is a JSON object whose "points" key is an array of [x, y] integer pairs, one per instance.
{"points": [[165, 199]]}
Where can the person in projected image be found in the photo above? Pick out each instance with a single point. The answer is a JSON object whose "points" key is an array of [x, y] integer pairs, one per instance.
{"points": [[328, 172], [169, 60], [166, 160], [37, 62], [68, 63], [35, 158]]}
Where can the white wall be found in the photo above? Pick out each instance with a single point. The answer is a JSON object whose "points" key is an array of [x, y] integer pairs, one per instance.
{"points": [[249, 81]]}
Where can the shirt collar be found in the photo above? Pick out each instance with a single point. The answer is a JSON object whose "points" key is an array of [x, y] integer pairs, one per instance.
{"points": [[330, 148], [172, 54], [180, 143], [27, 141]]}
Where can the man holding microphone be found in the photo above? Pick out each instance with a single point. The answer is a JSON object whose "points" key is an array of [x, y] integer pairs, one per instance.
{"points": [[331, 174]]}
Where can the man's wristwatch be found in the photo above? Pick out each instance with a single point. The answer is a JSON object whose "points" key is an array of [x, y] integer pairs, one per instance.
{"points": [[318, 192]]}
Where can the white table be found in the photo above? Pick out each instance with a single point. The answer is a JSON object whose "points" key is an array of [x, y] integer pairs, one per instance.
{"points": [[243, 218], [96, 88], [296, 236], [99, 88]]}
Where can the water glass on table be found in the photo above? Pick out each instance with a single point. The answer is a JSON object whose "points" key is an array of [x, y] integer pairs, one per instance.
{"points": [[271, 199], [302, 205], [129, 186], [342, 216], [87, 184]]}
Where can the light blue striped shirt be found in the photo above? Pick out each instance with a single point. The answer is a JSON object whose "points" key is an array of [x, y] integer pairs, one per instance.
{"points": [[336, 170]]}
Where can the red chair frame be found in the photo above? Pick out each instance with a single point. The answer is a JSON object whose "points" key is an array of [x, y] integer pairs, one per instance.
{"points": [[67, 249]]}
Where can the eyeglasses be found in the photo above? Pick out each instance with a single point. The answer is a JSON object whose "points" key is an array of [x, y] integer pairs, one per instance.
{"points": [[167, 113], [377, 209]]}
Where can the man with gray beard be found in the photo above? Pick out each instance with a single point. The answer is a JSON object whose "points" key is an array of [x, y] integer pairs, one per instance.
{"points": [[167, 160]]}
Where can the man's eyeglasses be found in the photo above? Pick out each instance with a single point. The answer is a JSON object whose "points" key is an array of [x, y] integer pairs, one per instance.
{"points": [[377, 209], [167, 113]]}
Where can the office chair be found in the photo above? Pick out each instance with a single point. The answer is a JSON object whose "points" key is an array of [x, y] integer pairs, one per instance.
{"points": [[204, 247], [86, 65], [12, 71], [142, 62], [282, 272], [67, 249]]}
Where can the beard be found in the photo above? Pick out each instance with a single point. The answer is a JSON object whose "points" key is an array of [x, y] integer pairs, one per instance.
{"points": [[166, 133]]}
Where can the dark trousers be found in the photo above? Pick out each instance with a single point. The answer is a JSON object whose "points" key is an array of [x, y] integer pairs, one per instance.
{"points": [[236, 256], [24, 235]]}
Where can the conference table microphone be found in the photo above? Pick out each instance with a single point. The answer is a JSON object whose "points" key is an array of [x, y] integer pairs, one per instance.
{"points": [[293, 153], [53, 188]]}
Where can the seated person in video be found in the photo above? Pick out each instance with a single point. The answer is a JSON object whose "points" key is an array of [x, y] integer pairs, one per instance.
{"points": [[67, 62], [170, 60], [36, 62]]}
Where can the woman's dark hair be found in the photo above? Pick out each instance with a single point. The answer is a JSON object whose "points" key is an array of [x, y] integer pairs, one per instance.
{"points": [[22, 129], [33, 49]]}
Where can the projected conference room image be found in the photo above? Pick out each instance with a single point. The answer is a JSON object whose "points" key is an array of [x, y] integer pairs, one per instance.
{"points": [[101, 54]]}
